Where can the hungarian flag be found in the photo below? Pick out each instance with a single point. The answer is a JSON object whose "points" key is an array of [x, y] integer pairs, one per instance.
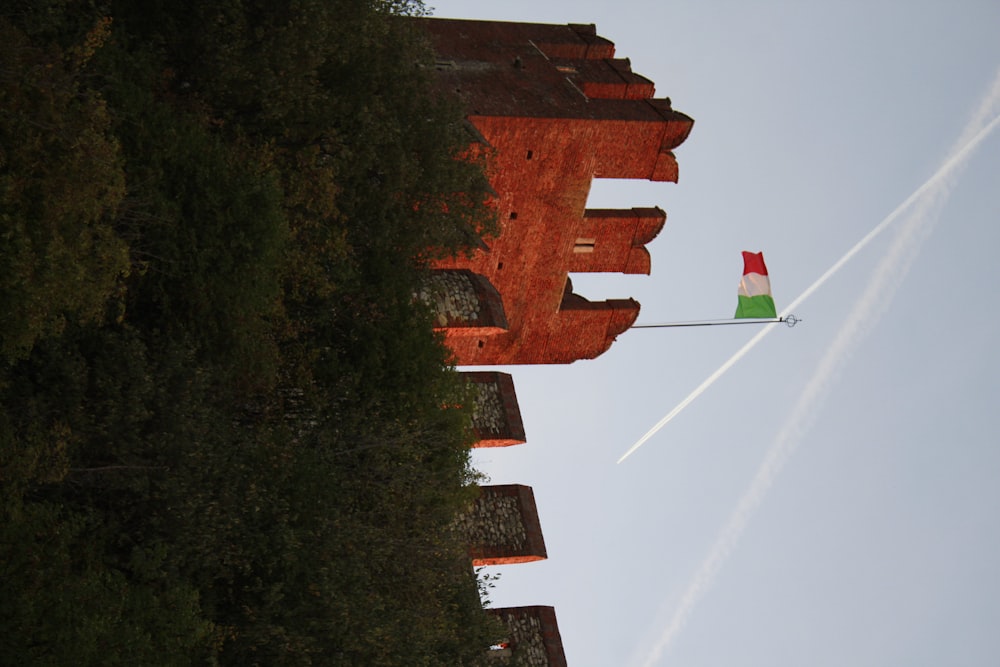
{"points": [[755, 289]]}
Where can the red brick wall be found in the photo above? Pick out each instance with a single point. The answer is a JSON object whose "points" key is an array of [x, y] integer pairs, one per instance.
{"points": [[552, 109], [556, 110], [620, 238]]}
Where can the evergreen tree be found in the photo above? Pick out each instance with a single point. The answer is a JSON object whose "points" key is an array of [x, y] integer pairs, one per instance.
{"points": [[227, 432]]}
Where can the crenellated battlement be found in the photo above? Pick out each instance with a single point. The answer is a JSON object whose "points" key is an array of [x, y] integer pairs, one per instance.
{"points": [[533, 639], [614, 240], [579, 41], [496, 418], [607, 78], [551, 108], [502, 526], [554, 109]]}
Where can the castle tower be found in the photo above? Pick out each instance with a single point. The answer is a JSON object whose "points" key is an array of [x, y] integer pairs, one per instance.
{"points": [[554, 109]]}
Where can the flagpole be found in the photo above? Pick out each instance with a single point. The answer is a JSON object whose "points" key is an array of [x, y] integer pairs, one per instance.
{"points": [[790, 320]]}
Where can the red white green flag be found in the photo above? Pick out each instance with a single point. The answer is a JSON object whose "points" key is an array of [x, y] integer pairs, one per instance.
{"points": [[755, 289]]}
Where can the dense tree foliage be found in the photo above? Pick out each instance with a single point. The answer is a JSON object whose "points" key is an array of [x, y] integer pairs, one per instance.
{"points": [[227, 433]]}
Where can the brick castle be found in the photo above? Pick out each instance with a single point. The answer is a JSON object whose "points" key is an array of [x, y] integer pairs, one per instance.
{"points": [[552, 108]]}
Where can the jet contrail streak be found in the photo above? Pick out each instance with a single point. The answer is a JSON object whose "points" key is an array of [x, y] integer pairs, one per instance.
{"points": [[931, 182], [701, 388], [874, 300]]}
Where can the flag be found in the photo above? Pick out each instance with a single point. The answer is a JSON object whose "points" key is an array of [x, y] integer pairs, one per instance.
{"points": [[755, 289]]}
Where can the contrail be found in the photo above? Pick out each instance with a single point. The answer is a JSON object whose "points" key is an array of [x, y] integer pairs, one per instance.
{"points": [[933, 182], [888, 276]]}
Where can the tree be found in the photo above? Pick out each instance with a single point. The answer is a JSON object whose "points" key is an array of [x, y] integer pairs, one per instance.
{"points": [[227, 431], [61, 183]]}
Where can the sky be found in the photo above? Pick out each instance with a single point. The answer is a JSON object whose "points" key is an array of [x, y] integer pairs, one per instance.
{"points": [[834, 498]]}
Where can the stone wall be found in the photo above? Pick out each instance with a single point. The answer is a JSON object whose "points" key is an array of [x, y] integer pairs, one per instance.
{"points": [[497, 417], [534, 639], [465, 302], [502, 526]]}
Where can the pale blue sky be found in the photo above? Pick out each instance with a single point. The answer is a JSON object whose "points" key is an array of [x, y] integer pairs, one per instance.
{"points": [[877, 541]]}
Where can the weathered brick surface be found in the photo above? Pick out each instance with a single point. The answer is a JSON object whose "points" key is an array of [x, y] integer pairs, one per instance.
{"points": [[550, 108], [534, 639], [555, 110], [502, 526], [497, 416]]}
